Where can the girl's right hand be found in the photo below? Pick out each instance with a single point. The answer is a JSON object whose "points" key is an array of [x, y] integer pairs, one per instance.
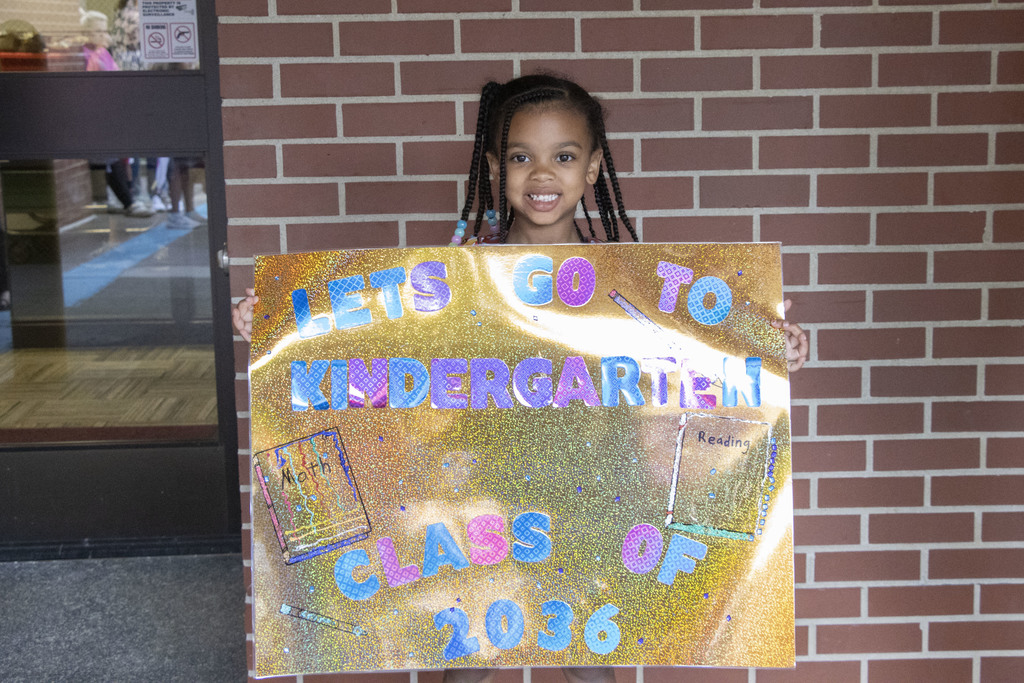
{"points": [[241, 314]]}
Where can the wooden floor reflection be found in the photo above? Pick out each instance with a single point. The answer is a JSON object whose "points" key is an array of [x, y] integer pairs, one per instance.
{"points": [[162, 390]]}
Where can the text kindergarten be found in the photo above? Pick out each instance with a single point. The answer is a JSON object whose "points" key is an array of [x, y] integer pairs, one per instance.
{"points": [[460, 383]]}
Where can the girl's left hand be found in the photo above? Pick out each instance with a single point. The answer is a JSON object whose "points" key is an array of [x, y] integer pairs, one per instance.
{"points": [[797, 347]]}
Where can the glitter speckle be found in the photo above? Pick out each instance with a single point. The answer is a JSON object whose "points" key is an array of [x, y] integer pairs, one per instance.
{"points": [[640, 640], [472, 312], [618, 499], [579, 489], [402, 508], [561, 571], [728, 617]]}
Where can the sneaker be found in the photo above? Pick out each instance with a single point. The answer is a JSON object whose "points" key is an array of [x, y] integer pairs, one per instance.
{"points": [[138, 209], [158, 204], [196, 216], [179, 221]]}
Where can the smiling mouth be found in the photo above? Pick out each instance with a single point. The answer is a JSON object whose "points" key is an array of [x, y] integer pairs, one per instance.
{"points": [[543, 197]]}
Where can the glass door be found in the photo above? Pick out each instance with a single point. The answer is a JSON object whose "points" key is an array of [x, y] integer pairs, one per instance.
{"points": [[117, 427]]}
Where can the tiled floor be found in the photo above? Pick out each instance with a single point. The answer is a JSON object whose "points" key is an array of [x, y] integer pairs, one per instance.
{"points": [[170, 618]]}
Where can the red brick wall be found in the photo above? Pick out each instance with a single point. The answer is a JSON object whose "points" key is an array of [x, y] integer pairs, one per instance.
{"points": [[881, 142]]}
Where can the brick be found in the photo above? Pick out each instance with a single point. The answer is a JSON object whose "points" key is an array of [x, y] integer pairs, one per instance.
{"points": [[756, 32], [693, 74], [905, 601], [321, 236], [290, 7], [426, 196], [872, 189], [1005, 452], [575, 5], [826, 530], [1001, 669], [446, 6], [931, 380], [772, 4], [980, 108], [952, 527], [815, 151], [827, 306], [428, 233], [796, 270], [329, 160], [868, 565], [594, 75], [439, 156], [990, 265], [934, 68], [1004, 380], [298, 199], [696, 154], [975, 416], [818, 71], [999, 527], [275, 40], [1008, 226], [754, 191], [517, 35], [927, 304], [1010, 148], [862, 492], [241, 8], [421, 37], [877, 267], [815, 229], [337, 80], [241, 277], [933, 227], [244, 81], [756, 113], [799, 419], [623, 34], [829, 456], [946, 670], [976, 635], [975, 342], [876, 29], [873, 111], [695, 4], [849, 419], [933, 150], [279, 121], [989, 187], [829, 603], [801, 494], [981, 489], [1002, 598], [985, 27], [799, 567], [1010, 68], [641, 194], [1006, 304], [642, 115], [452, 77], [851, 638], [826, 383], [398, 118], [668, 674], [926, 454], [250, 161], [699, 229], [812, 672], [248, 240]]}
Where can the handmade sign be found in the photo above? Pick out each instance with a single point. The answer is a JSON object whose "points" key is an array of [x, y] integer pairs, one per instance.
{"points": [[521, 455]]}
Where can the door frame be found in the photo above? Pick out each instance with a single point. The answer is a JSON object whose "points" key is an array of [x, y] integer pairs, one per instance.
{"points": [[96, 499]]}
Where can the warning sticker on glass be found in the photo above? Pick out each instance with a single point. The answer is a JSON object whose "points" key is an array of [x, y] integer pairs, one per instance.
{"points": [[168, 31]]}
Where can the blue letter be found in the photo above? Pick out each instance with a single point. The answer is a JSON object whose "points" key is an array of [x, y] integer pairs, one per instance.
{"points": [[306, 385], [676, 559], [398, 370], [612, 382], [387, 282], [695, 300], [307, 325], [339, 384], [532, 544], [439, 548], [350, 588], [347, 305], [541, 290], [736, 382]]}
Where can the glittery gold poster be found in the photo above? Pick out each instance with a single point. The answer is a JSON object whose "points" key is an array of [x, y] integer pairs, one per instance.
{"points": [[521, 455]]}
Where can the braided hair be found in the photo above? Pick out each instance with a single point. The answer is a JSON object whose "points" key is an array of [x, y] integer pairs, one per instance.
{"points": [[498, 104]]}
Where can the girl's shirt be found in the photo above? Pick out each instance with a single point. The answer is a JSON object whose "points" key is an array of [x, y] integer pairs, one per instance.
{"points": [[492, 238]]}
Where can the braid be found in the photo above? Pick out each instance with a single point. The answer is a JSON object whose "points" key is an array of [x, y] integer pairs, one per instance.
{"points": [[477, 175], [615, 188]]}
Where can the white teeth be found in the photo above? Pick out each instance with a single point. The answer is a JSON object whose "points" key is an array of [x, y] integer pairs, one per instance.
{"points": [[543, 197]]}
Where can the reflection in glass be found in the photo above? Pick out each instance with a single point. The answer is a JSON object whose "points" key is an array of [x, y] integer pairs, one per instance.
{"points": [[60, 35], [105, 310]]}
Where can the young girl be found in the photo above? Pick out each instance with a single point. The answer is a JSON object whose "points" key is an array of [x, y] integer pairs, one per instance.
{"points": [[542, 139]]}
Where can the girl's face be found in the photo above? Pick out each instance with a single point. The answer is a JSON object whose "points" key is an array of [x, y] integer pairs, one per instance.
{"points": [[550, 163]]}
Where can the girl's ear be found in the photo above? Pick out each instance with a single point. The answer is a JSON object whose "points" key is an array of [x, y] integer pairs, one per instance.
{"points": [[594, 166], [492, 163]]}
